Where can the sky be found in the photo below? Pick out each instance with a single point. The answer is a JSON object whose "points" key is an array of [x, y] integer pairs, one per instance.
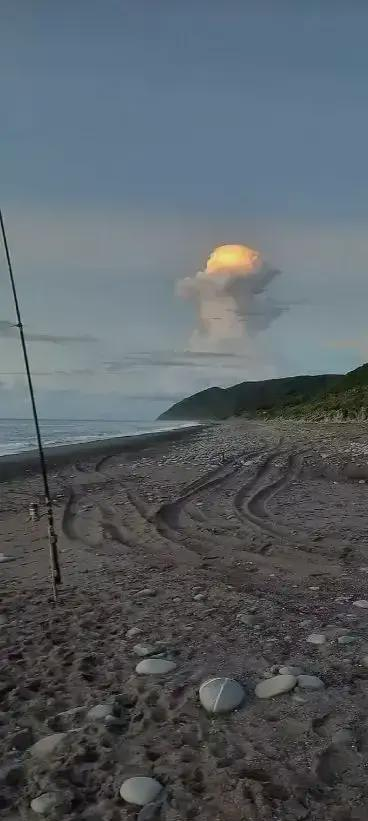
{"points": [[136, 137]]}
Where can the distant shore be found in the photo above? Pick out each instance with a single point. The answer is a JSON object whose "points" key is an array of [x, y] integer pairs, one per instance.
{"points": [[16, 465]]}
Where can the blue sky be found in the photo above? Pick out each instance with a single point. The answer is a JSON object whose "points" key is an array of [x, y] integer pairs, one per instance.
{"points": [[135, 137]]}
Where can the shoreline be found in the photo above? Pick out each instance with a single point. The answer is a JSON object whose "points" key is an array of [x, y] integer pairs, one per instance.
{"points": [[14, 465]]}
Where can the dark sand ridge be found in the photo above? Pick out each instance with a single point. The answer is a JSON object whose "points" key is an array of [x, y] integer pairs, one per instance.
{"points": [[14, 465], [176, 540]]}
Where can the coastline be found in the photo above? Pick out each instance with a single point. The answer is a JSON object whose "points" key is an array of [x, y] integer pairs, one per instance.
{"points": [[15, 465], [222, 550]]}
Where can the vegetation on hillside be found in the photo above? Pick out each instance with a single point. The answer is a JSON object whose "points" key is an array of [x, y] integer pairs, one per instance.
{"points": [[347, 399], [309, 397], [249, 398]]}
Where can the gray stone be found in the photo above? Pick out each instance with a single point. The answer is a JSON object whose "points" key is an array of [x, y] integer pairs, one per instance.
{"points": [[275, 686], [362, 603], [2, 620], [290, 671], [347, 639], [364, 661], [99, 712], [134, 631], [316, 638], [22, 739], [310, 682], [144, 650], [11, 774], [147, 592], [46, 746], [343, 737], [248, 619], [4, 558], [153, 666], [199, 596], [221, 695], [47, 803], [140, 790], [71, 713]]}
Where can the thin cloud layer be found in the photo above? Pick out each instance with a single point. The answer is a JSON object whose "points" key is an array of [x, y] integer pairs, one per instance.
{"points": [[10, 331]]}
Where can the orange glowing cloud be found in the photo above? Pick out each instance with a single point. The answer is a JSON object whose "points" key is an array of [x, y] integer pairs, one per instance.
{"points": [[233, 260]]}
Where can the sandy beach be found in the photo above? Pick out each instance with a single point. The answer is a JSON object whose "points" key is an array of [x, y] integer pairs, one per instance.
{"points": [[232, 550]]}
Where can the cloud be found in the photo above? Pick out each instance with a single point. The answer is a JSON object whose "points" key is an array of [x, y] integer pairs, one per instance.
{"points": [[10, 331], [174, 359], [359, 343], [231, 305], [76, 371]]}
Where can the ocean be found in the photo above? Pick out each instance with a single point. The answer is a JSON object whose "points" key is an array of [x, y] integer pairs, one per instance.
{"points": [[18, 435]]}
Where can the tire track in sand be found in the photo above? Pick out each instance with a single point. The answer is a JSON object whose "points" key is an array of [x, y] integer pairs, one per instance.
{"points": [[167, 517], [253, 510]]}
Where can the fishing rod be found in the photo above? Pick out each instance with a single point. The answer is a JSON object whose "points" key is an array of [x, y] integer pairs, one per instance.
{"points": [[54, 558]]}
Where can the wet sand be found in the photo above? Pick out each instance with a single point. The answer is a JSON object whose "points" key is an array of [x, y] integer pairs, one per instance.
{"points": [[177, 539]]}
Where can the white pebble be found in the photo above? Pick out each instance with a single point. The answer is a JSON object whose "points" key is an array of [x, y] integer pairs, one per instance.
{"points": [[140, 790], [45, 803], [290, 671], [146, 592], [220, 695], [316, 638], [153, 666], [99, 712], [362, 603], [46, 746], [275, 686]]}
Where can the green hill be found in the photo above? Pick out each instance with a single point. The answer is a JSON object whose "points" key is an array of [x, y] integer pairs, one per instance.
{"points": [[310, 397], [347, 399], [250, 398]]}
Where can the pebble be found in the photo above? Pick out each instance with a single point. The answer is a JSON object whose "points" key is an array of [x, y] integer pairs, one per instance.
{"points": [[343, 736], [4, 558], [71, 713], [22, 739], [46, 746], [362, 603], [316, 638], [199, 596], [246, 618], [347, 639], [47, 803], [146, 592], [275, 686], [364, 661], [290, 671], [140, 790], [2, 620], [221, 695], [144, 650], [153, 666], [99, 712], [310, 682], [134, 631]]}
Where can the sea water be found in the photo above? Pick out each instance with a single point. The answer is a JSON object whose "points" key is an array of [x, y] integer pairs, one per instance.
{"points": [[18, 435]]}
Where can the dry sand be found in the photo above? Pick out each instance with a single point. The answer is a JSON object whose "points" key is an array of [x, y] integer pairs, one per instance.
{"points": [[176, 539]]}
